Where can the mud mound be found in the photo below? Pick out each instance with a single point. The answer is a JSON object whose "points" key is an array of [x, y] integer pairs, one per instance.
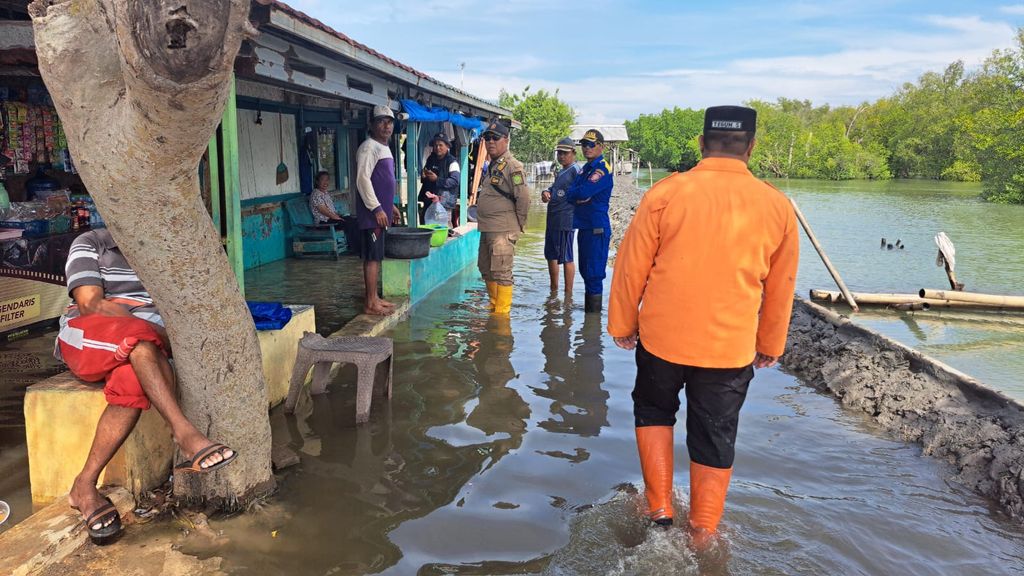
{"points": [[953, 416], [625, 198]]}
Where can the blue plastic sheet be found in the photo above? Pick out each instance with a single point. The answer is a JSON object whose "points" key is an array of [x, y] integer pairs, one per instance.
{"points": [[419, 113], [269, 315]]}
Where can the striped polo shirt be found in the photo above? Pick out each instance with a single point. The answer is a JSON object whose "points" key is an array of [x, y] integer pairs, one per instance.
{"points": [[95, 260]]}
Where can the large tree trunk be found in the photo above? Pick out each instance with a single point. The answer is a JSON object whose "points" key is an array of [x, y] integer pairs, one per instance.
{"points": [[140, 86]]}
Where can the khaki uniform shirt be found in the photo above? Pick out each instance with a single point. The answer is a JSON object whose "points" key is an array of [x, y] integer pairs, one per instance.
{"points": [[504, 197]]}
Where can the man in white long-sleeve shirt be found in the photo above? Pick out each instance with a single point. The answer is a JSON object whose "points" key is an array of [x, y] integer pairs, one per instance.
{"points": [[375, 182]]}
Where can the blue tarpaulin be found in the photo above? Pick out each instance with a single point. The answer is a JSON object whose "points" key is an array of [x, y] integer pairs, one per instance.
{"points": [[269, 315], [419, 113]]}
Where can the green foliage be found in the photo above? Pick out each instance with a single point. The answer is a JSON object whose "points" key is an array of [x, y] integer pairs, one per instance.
{"points": [[667, 139], [545, 120], [997, 92], [952, 125]]}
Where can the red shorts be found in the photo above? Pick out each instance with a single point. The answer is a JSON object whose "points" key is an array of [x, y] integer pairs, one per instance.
{"points": [[96, 347]]}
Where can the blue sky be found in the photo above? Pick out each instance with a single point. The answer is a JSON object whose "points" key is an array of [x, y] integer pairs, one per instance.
{"points": [[615, 60]]}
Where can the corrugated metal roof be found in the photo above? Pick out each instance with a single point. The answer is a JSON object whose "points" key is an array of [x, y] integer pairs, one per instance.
{"points": [[611, 132], [313, 22]]}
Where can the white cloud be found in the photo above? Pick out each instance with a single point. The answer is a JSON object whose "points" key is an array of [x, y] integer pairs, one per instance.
{"points": [[869, 67], [814, 52]]}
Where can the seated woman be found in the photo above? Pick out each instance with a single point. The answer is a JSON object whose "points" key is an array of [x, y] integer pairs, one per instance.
{"points": [[320, 202]]}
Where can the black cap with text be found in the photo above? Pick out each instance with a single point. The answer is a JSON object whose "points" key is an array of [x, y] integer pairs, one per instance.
{"points": [[730, 119]]}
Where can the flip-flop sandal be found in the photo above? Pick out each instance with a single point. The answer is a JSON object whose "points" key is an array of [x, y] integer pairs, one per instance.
{"points": [[100, 516], [194, 465]]}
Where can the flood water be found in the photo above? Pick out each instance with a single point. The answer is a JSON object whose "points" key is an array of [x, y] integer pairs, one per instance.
{"points": [[508, 448], [850, 219]]}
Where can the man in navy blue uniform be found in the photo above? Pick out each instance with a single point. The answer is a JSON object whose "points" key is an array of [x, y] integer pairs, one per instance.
{"points": [[590, 192], [559, 234]]}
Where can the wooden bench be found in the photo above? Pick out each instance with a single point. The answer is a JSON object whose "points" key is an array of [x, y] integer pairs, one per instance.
{"points": [[309, 238]]}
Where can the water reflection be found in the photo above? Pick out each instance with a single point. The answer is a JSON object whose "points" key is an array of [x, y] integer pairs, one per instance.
{"points": [[493, 458], [500, 408], [579, 404], [22, 363]]}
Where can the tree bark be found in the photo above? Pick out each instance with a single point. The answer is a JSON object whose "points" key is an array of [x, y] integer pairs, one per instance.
{"points": [[140, 86]]}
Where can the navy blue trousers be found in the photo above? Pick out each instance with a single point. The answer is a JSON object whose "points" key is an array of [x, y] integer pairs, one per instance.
{"points": [[592, 259]]}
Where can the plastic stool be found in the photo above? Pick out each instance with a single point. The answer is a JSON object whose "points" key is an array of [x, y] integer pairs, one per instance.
{"points": [[321, 353]]}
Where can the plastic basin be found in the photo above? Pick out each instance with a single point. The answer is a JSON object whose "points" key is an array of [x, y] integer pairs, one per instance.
{"points": [[407, 243], [440, 234]]}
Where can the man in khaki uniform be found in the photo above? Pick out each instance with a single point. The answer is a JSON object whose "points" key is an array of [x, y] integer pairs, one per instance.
{"points": [[501, 209]]}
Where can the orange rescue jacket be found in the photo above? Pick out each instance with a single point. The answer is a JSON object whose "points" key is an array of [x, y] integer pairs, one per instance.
{"points": [[707, 269]]}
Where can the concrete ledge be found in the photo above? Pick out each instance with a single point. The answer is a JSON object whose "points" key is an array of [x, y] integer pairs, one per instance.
{"points": [[60, 421], [414, 279], [373, 325], [50, 535], [61, 414], [279, 348]]}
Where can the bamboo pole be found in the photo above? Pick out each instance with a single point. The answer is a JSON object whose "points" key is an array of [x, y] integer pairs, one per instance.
{"points": [[823, 295], [870, 299], [993, 300], [910, 306], [865, 297], [824, 258]]}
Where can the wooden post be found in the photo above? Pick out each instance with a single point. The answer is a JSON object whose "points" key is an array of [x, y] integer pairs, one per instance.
{"points": [[824, 258], [950, 275], [481, 157], [412, 167], [233, 188]]}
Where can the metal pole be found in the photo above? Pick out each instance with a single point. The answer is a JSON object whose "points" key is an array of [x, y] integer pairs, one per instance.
{"points": [[824, 258], [464, 183], [412, 165]]}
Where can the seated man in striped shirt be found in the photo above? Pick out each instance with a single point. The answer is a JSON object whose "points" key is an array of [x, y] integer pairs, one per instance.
{"points": [[113, 333]]}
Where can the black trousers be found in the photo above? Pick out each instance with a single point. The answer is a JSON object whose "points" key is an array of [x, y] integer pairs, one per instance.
{"points": [[714, 397]]}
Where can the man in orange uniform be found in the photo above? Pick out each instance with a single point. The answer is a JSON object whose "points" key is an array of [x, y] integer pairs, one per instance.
{"points": [[703, 290]]}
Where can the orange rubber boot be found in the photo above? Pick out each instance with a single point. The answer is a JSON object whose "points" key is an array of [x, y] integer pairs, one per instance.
{"points": [[655, 446], [708, 487]]}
